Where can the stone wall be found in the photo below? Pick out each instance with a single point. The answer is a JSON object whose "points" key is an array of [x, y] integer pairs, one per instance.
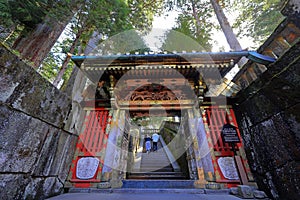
{"points": [[36, 148], [268, 112]]}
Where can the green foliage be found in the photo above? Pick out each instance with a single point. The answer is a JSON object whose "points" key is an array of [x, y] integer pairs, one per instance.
{"points": [[26, 12], [177, 41], [258, 18], [202, 34], [141, 12], [194, 22], [68, 72], [5, 14], [51, 65], [106, 17], [101, 15], [114, 16], [129, 41], [21, 17]]}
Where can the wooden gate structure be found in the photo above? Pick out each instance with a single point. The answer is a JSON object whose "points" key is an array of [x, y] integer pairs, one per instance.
{"points": [[91, 145], [123, 87], [214, 117]]}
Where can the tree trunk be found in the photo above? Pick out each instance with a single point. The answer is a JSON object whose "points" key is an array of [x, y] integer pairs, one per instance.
{"points": [[227, 30], [67, 60], [34, 45], [77, 79], [233, 43], [196, 17]]}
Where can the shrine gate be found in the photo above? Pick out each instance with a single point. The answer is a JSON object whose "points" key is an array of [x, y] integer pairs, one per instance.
{"points": [[123, 89]]}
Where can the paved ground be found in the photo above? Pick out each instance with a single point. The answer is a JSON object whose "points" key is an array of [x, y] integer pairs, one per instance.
{"points": [[146, 196]]}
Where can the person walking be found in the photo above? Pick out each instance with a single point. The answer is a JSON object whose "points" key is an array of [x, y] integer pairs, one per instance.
{"points": [[155, 138], [148, 143]]}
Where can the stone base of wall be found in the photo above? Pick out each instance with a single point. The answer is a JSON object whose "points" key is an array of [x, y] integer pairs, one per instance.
{"points": [[269, 119], [36, 149]]}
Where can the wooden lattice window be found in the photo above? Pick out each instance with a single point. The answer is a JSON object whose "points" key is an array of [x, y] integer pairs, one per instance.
{"points": [[94, 132]]}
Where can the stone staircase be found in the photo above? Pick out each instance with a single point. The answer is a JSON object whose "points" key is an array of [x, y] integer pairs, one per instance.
{"points": [[158, 184], [156, 165]]}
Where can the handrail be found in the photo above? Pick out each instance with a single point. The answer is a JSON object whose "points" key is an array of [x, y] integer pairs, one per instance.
{"points": [[170, 155], [138, 157]]}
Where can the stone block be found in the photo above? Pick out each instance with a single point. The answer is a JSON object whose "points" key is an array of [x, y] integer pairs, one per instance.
{"points": [[56, 154], [40, 188], [26, 90], [76, 119], [67, 148], [103, 185], [245, 191], [214, 186], [292, 132], [35, 151], [233, 191], [259, 194], [12, 186], [21, 139], [116, 183], [283, 92], [289, 179], [199, 184], [261, 103]]}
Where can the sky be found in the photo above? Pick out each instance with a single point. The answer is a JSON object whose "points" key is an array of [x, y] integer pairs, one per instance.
{"points": [[163, 23]]}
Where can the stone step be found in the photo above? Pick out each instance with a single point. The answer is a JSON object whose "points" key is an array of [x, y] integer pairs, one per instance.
{"points": [[158, 184], [156, 165], [156, 169], [155, 161], [154, 158], [144, 191], [151, 156], [163, 164], [157, 175]]}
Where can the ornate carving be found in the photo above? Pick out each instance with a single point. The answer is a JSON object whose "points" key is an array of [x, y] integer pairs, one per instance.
{"points": [[152, 92], [148, 95]]}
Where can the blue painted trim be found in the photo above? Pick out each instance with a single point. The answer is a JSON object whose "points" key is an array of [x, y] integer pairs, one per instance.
{"points": [[252, 55], [259, 58]]}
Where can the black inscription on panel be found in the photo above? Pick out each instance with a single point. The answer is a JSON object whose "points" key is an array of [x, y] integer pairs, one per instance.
{"points": [[230, 134]]}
